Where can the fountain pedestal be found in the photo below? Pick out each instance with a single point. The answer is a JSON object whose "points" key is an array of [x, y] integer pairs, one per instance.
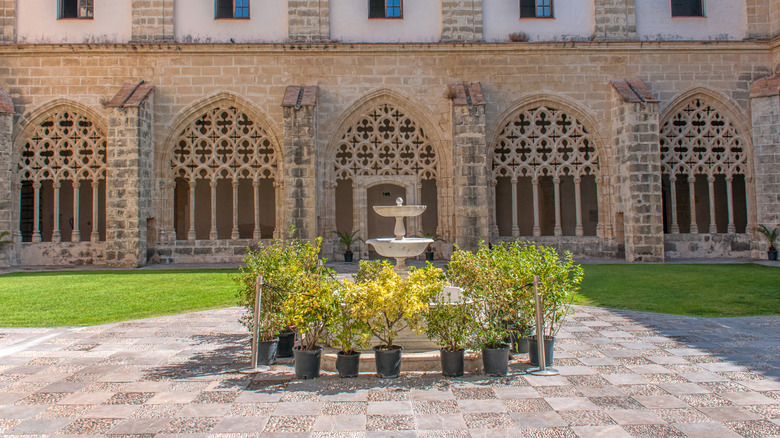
{"points": [[399, 247]]}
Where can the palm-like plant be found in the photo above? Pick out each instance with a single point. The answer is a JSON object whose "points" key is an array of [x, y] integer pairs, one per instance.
{"points": [[348, 239], [771, 235]]}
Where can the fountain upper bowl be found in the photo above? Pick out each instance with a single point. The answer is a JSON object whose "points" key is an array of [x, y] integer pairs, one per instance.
{"points": [[399, 210]]}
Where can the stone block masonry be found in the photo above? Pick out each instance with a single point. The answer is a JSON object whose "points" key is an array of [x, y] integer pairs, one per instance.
{"points": [[461, 21], [129, 175], [615, 20], [765, 112], [152, 21], [7, 21], [7, 162], [308, 20]]}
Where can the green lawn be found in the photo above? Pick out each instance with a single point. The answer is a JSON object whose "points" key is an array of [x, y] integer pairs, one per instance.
{"points": [[96, 297], [718, 290]]}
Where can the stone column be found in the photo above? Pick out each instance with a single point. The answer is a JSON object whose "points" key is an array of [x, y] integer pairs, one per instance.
{"points": [[7, 21], [308, 20], [129, 163], [7, 189], [461, 21], [299, 178], [615, 20], [470, 166], [152, 21], [765, 115], [635, 129]]}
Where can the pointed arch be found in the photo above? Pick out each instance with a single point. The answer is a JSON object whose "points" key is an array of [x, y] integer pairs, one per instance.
{"points": [[544, 151], [706, 161]]}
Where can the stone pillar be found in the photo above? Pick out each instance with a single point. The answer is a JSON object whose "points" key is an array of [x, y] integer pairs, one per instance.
{"points": [[461, 21], [7, 163], [308, 20], [470, 166], [129, 163], [615, 20], [765, 115], [299, 199], [152, 21], [635, 122], [7, 21], [758, 18]]}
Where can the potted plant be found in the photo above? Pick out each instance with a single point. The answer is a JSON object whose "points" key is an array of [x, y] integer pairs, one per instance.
{"points": [[484, 278], [348, 239], [449, 323], [275, 264], [771, 237], [347, 330], [428, 249], [309, 305], [389, 303]]}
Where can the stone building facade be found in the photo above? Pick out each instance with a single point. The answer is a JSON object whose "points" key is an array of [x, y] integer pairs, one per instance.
{"points": [[181, 138]]}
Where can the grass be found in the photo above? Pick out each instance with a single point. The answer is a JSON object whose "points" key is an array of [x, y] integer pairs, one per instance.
{"points": [[44, 299], [718, 290]]}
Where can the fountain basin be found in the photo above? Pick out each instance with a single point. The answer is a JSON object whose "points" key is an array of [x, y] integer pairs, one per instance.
{"points": [[406, 247], [399, 210]]}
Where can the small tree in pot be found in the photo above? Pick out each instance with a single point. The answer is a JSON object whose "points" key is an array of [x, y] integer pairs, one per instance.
{"points": [[347, 330], [389, 303], [771, 237], [348, 239], [449, 323]]}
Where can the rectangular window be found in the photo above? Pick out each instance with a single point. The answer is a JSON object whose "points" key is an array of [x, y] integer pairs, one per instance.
{"points": [[687, 8], [385, 9], [232, 9], [75, 9], [536, 9]]}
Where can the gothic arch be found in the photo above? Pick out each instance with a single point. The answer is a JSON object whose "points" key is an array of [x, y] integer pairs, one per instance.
{"points": [[547, 167], [707, 165], [384, 136], [221, 151], [60, 174]]}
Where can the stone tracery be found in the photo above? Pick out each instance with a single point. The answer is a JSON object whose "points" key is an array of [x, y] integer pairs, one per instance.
{"points": [[538, 145], [699, 140], [66, 147], [224, 144]]}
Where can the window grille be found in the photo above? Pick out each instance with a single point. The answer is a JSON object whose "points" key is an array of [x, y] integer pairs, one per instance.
{"points": [[536, 9]]}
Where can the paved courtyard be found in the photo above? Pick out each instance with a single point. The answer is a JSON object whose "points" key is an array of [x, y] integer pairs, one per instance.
{"points": [[622, 374]]}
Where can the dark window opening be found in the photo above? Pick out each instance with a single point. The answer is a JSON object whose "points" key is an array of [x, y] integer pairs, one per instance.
{"points": [[385, 9], [536, 9], [232, 9], [75, 9], [687, 8]]}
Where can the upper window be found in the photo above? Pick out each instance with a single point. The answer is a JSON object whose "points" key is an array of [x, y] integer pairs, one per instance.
{"points": [[75, 9], [687, 8], [385, 9], [536, 9], [232, 9]]}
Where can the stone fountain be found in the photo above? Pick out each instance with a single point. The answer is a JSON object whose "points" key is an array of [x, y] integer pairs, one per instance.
{"points": [[399, 247]]}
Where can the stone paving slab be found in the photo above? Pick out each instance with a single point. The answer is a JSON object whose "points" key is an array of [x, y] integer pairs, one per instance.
{"points": [[623, 374]]}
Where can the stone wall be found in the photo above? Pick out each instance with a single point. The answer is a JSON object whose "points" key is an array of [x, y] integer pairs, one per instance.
{"points": [[615, 20], [152, 21], [580, 247], [461, 20], [308, 20], [7, 21], [300, 161], [704, 245], [62, 253], [7, 223], [765, 111], [415, 75]]}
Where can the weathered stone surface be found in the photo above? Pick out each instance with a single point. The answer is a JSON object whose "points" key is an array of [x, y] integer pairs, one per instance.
{"points": [[308, 20], [615, 20], [461, 21], [153, 21], [300, 161], [7, 222], [765, 114]]}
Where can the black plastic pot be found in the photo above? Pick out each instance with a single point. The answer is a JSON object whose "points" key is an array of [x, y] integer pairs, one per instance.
{"points": [[495, 361], [388, 361], [533, 351], [286, 344], [771, 255], [451, 362], [307, 363], [266, 351], [348, 365], [429, 256], [348, 257], [521, 344]]}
